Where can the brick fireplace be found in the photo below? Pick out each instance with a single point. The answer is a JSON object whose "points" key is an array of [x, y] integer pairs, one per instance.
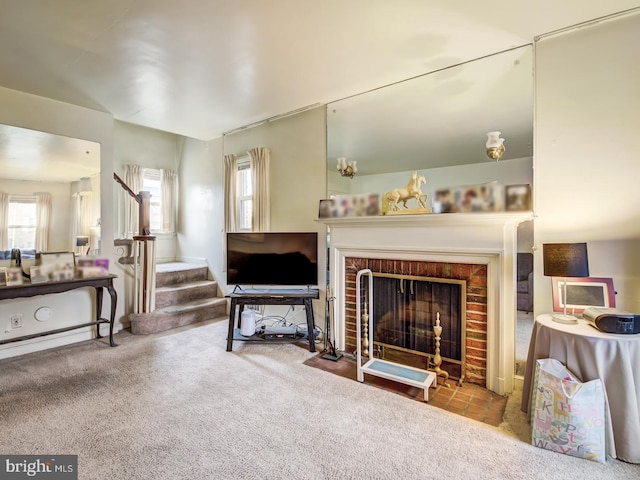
{"points": [[480, 248], [473, 362]]}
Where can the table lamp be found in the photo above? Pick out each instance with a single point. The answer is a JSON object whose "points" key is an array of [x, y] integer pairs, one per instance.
{"points": [[565, 260]]}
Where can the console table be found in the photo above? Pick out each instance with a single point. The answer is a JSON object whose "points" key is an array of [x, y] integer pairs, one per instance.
{"points": [[45, 288], [240, 298], [590, 354]]}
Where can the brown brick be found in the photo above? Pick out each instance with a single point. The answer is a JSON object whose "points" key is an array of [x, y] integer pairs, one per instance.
{"points": [[477, 280], [461, 270], [476, 343]]}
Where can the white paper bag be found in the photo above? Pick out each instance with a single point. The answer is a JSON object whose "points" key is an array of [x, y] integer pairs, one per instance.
{"points": [[567, 415]]}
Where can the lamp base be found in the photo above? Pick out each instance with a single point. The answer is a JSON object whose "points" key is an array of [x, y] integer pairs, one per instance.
{"points": [[560, 318]]}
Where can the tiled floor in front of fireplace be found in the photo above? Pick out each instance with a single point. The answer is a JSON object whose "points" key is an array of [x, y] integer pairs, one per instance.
{"points": [[468, 400]]}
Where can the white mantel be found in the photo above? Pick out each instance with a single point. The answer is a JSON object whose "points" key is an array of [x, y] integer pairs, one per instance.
{"points": [[482, 238]]}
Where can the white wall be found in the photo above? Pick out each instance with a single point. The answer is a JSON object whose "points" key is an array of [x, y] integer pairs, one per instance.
{"points": [[298, 181], [38, 113], [201, 209], [587, 148]]}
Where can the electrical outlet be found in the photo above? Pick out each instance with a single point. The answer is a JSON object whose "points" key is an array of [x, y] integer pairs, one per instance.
{"points": [[16, 320]]}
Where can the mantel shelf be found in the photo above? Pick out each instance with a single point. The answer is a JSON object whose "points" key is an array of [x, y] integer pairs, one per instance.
{"points": [[431, 219]]}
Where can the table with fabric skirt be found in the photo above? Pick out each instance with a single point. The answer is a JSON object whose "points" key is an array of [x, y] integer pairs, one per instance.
{"points": [[590, 354]]}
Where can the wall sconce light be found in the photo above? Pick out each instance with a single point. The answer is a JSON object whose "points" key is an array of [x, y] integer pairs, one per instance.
{"points": [[495, 145], [565, 260], [346, 169]]}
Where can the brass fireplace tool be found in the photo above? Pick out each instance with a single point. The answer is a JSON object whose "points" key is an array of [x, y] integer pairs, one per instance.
{"points": [[365, 332], [437, 359]]}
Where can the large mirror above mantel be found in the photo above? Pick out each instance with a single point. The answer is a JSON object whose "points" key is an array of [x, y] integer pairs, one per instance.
{"points": [[55, 178], [437, 124]]}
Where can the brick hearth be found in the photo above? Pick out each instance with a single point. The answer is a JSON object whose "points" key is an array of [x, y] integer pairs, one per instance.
{"points": [[475, 276]]}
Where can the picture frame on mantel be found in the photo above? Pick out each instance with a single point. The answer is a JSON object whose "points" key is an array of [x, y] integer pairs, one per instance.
{"points": [[583, 293], [517, 198]]}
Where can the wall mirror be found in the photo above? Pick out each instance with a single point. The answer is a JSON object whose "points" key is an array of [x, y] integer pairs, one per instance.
{"points": [[59, 178], [437, 124]]}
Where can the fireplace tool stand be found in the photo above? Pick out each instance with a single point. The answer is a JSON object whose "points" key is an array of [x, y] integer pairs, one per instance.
{"points": [[329, 348]]}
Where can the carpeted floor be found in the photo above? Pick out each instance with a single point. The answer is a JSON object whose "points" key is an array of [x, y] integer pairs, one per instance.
{"points": [[524, 328], [176, 405]]}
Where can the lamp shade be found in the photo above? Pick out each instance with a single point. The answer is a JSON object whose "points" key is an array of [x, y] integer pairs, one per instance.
{"points": [[565, 259]]}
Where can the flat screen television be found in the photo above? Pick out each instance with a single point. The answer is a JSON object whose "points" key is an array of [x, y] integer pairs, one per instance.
{"points": [[272, 258]]}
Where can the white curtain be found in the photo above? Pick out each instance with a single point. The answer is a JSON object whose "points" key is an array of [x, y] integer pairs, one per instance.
{"points": [[86, 213], [260, 171], [75, 218], [44, 202], [168, 186], [81, 216], [4, 221], [230, 180], [133, 177]]}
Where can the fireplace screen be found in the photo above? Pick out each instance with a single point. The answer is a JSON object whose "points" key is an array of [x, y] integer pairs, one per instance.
{"points": [[405, 309]]}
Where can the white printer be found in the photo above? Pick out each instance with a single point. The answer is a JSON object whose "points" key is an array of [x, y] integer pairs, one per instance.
{"points": [[612, 320]]}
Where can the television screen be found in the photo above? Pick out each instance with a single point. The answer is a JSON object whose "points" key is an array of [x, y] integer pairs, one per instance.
{"points": [[272, 258]]}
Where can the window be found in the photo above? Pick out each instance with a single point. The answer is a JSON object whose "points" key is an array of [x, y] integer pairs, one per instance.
{"points": [[22, 222], [151, 184], [244, 195]]}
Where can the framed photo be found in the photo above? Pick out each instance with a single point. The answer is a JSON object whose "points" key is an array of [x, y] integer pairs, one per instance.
{"points": [[37, 275], [62, 259], [517, 198], [445, 201], [56, 266], [324, 210], [583, 293], [14, 276]]}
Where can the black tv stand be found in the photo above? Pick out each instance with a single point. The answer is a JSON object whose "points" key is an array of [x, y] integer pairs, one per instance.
{"points": [[270, 296]]}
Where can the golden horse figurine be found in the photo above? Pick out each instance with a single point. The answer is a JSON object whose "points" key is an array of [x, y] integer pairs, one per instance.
{"points": [[391, 200]]}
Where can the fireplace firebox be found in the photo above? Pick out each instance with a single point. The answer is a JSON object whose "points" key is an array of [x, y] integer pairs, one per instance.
{"points": [[405, 312], [408, 295]]}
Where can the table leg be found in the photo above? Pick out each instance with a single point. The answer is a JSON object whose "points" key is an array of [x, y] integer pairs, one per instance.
{"points": [[310, 324], [112, 317], [98, 310], [232, 311]]}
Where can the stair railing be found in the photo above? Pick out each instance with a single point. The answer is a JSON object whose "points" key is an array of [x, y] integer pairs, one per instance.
{"points": [[144, 254]]}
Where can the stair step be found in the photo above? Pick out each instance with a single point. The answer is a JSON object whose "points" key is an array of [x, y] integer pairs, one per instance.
{"points": [[179, 315], [177, 273], [184, 295], [185, 292], [192, 305]]}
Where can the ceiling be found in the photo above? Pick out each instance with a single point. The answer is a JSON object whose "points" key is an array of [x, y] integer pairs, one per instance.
{"points": [[201, 68], [34, 156]]}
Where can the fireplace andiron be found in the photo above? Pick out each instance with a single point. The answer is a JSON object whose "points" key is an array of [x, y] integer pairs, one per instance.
{"points": [[437, 359]]}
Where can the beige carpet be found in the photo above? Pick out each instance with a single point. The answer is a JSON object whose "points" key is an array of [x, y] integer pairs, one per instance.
{"points": [[524, 327], [176, 405]]}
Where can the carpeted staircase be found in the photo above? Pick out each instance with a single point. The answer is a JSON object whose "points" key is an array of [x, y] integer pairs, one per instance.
{"points": [[184, 295]]}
